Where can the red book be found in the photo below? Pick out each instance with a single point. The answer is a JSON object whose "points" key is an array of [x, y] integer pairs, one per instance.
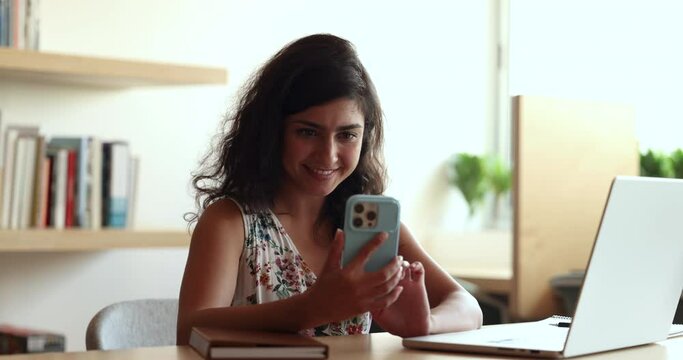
{"points": [[46, 201], [70, 189]]}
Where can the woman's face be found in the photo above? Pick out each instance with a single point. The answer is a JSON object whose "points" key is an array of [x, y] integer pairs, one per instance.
{"points": [[322, 146]]}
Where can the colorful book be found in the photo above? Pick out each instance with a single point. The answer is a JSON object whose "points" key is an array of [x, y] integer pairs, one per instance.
{"points": [[213, 343], [81, 146], [115, 180], [16, 340]]}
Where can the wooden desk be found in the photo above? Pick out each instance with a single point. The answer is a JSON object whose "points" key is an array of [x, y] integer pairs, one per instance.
{"points": [[381, 346]]}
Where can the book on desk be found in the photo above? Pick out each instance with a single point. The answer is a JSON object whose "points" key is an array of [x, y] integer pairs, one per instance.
{"points": [[212, 343], [18, 340]]}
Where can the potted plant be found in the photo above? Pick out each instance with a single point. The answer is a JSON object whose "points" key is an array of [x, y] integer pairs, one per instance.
{"points": [[677, 163], [469, 176], [500, 182], [655, 164]]}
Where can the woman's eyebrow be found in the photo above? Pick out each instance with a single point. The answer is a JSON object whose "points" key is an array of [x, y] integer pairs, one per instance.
{"points": [[316, 126]]}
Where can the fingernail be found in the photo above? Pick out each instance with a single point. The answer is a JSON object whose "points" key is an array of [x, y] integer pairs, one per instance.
{"points": [[400, 259]]}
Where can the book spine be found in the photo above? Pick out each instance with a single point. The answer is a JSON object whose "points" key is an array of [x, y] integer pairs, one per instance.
{"points": [[43, 219], [38, 186], [11, 8], [106, 175], [118, 188], [32, 25], [59, 202], [29, 178], [19, 31], [82, 182], [132, 191], [52, 183], [8, 175], [69, 216], [4, 23], [12, 133], [17, 187], [95, 184]]}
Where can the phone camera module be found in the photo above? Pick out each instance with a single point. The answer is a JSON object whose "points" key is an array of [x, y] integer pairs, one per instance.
{"points": [[371, 215], [357, 222], [359, 208]]}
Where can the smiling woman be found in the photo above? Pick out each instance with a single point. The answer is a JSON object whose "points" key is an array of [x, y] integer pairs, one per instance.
{"points": [[321, 147], [266, 252]]}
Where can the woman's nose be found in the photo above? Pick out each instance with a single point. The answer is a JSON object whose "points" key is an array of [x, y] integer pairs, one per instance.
{"points": [[327, 150]]}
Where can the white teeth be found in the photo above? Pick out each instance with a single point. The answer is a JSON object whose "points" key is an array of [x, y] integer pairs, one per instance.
{"points": [[322, 172]]}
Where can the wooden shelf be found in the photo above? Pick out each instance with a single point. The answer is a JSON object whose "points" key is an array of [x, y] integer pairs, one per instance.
{"points": [[69, 69], [88, 240]]}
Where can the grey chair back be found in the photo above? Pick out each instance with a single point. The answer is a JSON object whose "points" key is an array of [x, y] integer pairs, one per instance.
{"points": [[135, 323]]}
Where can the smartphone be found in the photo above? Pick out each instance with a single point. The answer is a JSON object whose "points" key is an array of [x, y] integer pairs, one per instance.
{"points": [[365, 216]]}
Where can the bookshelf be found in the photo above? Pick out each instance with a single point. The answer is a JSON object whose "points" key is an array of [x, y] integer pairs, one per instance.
{"points": [[64, 69], [49, 240], [25, 65]]}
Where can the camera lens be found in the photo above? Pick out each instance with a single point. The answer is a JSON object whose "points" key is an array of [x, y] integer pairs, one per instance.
{"points": [[357, 222], [371, 215], [359, 208]]}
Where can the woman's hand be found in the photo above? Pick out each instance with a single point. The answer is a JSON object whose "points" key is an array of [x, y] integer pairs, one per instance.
{"points": [[341, 293], [409, 315]]}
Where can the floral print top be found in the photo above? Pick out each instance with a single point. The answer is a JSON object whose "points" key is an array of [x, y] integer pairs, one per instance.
{"points": [[271, 269]]}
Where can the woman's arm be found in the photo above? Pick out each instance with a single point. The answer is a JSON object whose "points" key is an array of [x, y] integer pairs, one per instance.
{"points": [[210, 277], [432, 301]]}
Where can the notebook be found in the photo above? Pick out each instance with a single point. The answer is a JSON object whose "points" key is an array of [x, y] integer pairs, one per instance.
{"points": [[213, 343], [629, 295]]}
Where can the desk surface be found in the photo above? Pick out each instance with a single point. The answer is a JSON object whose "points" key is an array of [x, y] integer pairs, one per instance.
{"points": [[376, 346]]}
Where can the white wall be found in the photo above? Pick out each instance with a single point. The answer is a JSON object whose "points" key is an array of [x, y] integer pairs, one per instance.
{"points": [[429, 60], [623, 51]]}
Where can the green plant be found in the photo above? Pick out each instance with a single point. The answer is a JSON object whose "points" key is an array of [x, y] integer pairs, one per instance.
{"points": [[677, 163], [655, 164], [499, 179], [469, 176]]}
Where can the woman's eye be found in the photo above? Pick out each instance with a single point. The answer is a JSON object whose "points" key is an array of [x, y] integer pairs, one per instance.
{"points": [[347, 135]]}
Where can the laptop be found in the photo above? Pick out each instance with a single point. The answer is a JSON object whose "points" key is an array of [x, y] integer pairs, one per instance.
{"points": [[629, 295]]}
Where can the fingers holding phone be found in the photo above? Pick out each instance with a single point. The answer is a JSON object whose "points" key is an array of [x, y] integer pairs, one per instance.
{"points": [[362, 271]]}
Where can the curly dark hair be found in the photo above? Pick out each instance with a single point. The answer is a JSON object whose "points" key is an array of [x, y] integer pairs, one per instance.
{"points": [[245, 163]]}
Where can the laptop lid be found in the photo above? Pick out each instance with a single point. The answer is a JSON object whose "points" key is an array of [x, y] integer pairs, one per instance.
{"points": [[629, 295], [635, 274]]}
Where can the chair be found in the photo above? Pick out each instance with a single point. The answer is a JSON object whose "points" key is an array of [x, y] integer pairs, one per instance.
{"points": [[135, 323]]}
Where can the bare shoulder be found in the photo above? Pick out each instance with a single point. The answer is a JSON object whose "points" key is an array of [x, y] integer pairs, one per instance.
{"points": [[223, 211], [222, 219]]}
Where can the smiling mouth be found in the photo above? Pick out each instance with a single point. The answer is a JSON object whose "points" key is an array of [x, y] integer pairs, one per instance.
{"points": [[321, 173]]}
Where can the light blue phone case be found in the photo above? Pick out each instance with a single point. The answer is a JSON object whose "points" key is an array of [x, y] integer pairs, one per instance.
{"points": [[387, 211]]}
